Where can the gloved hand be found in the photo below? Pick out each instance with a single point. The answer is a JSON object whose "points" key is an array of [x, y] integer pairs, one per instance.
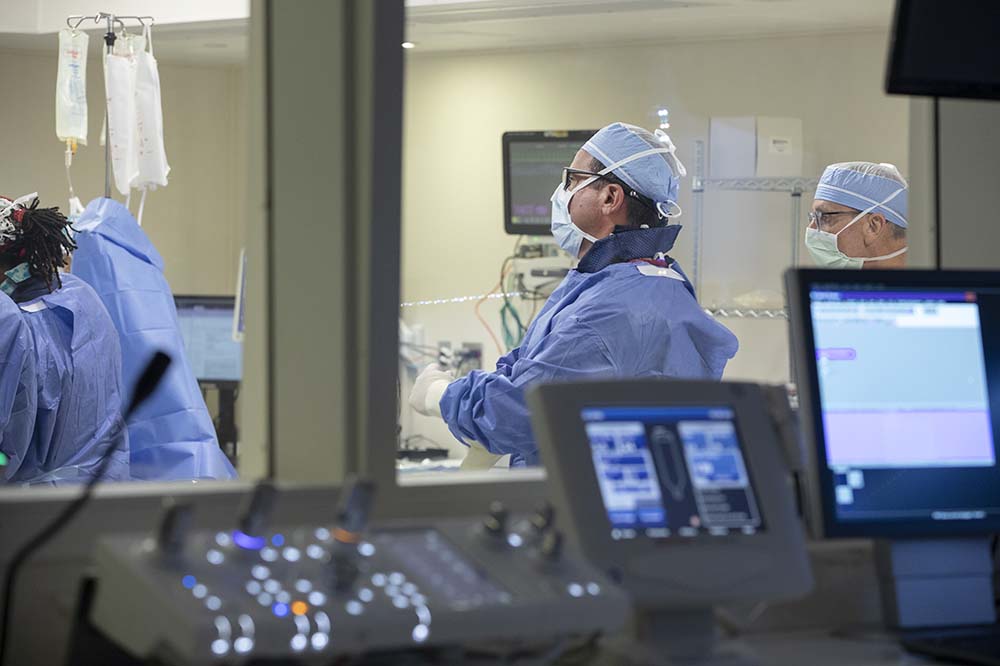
{"points": [[428, 390]]}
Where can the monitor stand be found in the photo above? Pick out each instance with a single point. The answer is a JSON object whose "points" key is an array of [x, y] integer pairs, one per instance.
{"points": [[936, 582], [674, 637]]}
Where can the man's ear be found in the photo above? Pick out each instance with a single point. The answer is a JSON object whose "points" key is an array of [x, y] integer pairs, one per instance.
{"points": [[875, 224]]}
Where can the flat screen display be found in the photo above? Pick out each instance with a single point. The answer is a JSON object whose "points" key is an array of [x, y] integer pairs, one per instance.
{"points": [[533, 164], [946, 48], [907, 380], [672, 471], [206, 324]]}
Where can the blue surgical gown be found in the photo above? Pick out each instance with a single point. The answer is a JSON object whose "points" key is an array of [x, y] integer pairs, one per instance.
{"points": [[171, 434], [18, 396], [78, 416], [616, 322]]}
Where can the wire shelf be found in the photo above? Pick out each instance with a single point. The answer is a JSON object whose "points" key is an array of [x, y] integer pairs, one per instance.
{"points": [[789, 185], [735, 312]]}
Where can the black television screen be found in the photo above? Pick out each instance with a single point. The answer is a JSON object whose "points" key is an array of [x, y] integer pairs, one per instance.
{"points": [[945, 48]]}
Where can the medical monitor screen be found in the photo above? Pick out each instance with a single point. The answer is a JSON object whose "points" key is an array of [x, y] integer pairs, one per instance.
{"points": [[533, 164], [946, 48], [908, 379], [207, 329], [672, 472]]}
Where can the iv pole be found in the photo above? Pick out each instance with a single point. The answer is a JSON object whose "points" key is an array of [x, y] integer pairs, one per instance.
{"points": [[109, 40]]}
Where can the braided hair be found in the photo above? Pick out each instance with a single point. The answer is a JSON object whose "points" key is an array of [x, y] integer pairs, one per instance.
{"points": [[36, 236]]}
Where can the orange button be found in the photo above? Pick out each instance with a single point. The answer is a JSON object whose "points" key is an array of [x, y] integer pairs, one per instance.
{"points": [[300, 607]]}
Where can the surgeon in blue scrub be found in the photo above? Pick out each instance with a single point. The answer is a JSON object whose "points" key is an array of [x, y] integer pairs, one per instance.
{"points": [[18, 395], [171, 435], [77, 359], [627, 310]]}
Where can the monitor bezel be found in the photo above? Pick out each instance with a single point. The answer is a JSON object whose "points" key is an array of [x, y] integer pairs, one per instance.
{"points": [[690, 570], [821, 493], [509, 138], [187, 300], [896, 83]]}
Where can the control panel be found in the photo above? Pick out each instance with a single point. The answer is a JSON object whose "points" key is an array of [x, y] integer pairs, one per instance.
{"points": [[307, 593]]}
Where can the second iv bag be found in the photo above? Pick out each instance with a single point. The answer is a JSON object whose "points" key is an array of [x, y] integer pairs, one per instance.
{"points": [[71, 86]]}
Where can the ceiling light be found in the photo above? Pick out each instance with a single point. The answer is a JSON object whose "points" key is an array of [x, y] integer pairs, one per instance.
{"points": [[408, 45]]}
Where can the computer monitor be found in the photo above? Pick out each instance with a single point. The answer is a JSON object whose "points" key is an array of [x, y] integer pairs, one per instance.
{"points": [[966, 59], [899, 378], [206, 324], [680, 490], [532, 167]]}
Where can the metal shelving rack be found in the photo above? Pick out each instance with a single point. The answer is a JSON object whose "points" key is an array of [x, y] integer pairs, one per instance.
{"points": [[794, 187]]}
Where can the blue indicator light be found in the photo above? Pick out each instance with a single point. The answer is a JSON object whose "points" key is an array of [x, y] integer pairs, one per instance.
{"points": [[188, 581], [247, 542], [280, 609], [278, 540]]}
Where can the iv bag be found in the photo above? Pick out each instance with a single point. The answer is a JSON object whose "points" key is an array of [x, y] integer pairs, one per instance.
{"points": [[71, 86], [119, 86], [152, 156]]}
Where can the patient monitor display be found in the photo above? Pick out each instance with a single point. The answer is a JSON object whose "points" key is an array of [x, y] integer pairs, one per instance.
{"points": [[672, 471], [904, 430]]}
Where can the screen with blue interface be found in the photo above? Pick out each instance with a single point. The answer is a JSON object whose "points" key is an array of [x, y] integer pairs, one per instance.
{"points": [[672, 471], [534, 171], [904, 380], [207, 329]]}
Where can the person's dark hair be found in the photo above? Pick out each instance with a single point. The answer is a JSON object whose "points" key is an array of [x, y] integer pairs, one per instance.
{"points": [[898, 232], [42, 240], [639, 213]]}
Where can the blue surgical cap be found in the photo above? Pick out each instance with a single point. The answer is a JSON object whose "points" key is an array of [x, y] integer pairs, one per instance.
{"points": [[861, 185], [655, 175]]}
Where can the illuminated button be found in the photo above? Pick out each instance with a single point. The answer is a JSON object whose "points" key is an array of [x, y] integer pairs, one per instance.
{"points": [[213, 603], [322, 534], [366, 549], [283, 597], [199, 591], [575, 590], [292, 554], [299, 642], [315, 551], [272, 586], [320, 641], [279, 609], [253, 587], [420, 633], [418, 600], [300, 608], [400, 602], [409, 588], [366, 595], [242, 645], [303, 586], [260, 572], [278, 540], [264, 599], [269, 554], [188, 581], [392, 590], [379, 580], [424, 615], [514, 540], [317, 598], [354, 607], [220, 647], [215, 557], [593, 589], [223, 539], [396, 578]]}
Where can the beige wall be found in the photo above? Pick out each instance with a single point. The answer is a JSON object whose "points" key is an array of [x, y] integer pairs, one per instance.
{"points": [[197, 221], [458, 105]]}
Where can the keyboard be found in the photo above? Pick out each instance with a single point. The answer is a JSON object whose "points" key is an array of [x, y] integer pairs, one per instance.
{"points": [[976, 645]]}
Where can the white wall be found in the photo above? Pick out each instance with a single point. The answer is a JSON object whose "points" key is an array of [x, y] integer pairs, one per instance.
{"points": [[458, 105], [196, 222]]}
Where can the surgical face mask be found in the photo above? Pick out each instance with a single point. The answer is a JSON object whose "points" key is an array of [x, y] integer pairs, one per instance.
{"points": [[826, 252], [568, 235]]}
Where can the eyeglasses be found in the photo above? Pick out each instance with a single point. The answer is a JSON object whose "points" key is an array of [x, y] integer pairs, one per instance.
{"points": [[817, 216], [569, 173]]}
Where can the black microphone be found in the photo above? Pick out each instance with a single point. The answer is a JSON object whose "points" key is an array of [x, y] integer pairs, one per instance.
{"points": [[148, 381]]}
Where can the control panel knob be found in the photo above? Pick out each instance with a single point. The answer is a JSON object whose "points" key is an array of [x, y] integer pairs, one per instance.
{"points": [[258, 510], [551, 547], [495, 524], [543, 518], [174, 527]]}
